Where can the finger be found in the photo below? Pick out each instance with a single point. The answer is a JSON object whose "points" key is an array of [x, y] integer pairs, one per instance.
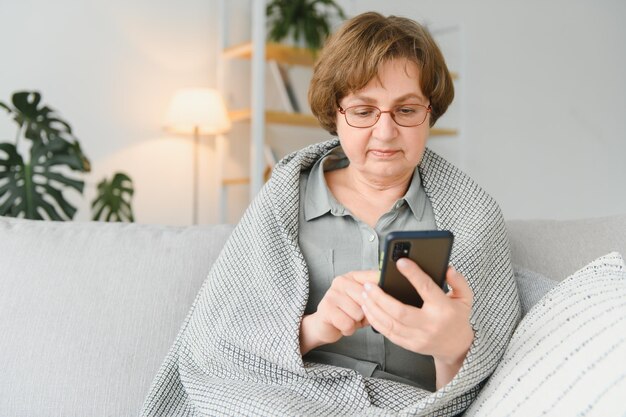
{"points": [[377, 318], [383, 322], [423, 284], [362, 277], [389, 309], [346, 284], [347, 305], [344, 323], [459, 286]]}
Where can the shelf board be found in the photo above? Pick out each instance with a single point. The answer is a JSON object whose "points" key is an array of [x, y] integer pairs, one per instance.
{"points": [[308, 120], [295, 119], [277, 117], [284, 54], [236, 181], [443, 132]]}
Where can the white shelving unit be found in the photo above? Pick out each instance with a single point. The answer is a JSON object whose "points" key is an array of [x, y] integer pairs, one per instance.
{"points": [[259, 52]]}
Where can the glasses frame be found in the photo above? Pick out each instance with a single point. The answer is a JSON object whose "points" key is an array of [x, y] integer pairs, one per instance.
{"points": [[343, 111]]}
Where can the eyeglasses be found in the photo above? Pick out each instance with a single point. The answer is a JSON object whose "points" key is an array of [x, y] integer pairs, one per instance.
{"points": [[406, 115]]}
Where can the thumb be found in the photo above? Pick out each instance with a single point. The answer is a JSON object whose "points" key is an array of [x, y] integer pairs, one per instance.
{"points": [[423, 284], [459, 286]]}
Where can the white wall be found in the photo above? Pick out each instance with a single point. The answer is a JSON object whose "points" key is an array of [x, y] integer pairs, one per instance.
{"points": [[543, 100], [541, 103], [110, 68]]}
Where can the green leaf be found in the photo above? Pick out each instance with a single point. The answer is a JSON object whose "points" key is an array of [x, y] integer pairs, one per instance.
{"points": [[7, 206], [302, 19], [78, 185], [40, 123], [50, 210], [114, 199], [57, 195], [25, 187]]}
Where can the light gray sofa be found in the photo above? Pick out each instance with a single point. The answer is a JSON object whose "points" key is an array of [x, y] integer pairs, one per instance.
{"points": [[89, 310]]}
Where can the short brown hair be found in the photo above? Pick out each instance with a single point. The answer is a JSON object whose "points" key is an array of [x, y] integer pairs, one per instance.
{"points": [[354, 54]]}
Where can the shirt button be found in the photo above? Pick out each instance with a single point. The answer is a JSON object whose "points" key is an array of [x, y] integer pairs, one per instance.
{"points": [[372, 237]]}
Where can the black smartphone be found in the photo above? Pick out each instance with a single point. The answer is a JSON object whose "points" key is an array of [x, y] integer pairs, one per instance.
{"points": [[429, 249]]}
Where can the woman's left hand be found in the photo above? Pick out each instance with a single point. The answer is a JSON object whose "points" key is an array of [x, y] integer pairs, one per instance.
{"points": [[440, 328]]}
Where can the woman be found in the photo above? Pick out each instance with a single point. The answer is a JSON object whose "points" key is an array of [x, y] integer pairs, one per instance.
{"points": [[369, 186], [282, 326]]}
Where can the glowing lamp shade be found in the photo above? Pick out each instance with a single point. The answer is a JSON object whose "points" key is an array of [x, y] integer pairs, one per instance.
{"points": [[197, 110]]}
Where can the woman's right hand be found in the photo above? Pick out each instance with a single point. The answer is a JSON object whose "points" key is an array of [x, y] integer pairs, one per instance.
{"points": [[339, 313]]}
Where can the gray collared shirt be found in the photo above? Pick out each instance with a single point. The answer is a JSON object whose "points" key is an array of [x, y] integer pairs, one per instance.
{"points": [[334, 242]]}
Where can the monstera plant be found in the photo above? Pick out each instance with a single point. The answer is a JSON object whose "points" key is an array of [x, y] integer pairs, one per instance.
{"points": [[44, 162], [305, 21], [114, 199]]}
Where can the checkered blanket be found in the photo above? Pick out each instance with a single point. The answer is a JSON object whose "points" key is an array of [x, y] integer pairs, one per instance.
{"points": [[238, 351]]}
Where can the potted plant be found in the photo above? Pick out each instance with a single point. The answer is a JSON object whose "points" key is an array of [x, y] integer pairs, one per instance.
{"points": [[306, 21], [45, 161]]}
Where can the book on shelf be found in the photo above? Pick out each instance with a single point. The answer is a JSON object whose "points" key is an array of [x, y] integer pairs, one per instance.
{"points": [[285, 87]]}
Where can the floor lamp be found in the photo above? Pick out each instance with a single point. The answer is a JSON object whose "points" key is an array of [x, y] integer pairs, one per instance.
{"points": [[197, 112]]}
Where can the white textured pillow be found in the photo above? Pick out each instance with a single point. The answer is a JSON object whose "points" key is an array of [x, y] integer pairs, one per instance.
{"points": [[568, 355]]}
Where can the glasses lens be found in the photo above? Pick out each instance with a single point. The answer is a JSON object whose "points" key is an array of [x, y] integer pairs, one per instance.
{"points": [[362, 116], [409, 115]]}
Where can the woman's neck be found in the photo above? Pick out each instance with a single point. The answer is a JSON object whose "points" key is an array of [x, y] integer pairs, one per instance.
{"points": [[367, 198], [388, 189]]}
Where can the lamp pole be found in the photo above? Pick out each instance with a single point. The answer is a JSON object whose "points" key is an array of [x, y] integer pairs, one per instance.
{"points": [[197, 111], [196, 142]]}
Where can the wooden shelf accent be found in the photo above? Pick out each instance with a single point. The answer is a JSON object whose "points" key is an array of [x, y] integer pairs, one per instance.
{"points": [[277, 117], [240, 115], [307, 120], [443, 132], [236, 181], [284, 54], [246, 180], [295, 119]]}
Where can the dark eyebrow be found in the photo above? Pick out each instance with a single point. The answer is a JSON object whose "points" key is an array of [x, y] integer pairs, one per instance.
{"points": [[365, 99], [404, 98], [400, 100]]}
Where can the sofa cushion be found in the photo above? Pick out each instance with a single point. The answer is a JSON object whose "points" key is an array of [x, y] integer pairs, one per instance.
{"points": [[89, 310], [531, 286], [557, 248], [567, 355]]}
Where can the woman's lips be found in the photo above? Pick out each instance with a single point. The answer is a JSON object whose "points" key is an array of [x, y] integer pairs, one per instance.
{"points": [[383, 153]]}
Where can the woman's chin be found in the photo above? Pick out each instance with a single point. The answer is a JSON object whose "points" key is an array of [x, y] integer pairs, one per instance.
{"points": [[391, 174]]}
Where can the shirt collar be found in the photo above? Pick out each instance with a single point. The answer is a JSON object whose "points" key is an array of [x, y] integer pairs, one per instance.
{"points": [[415, 196], [319, 200]]}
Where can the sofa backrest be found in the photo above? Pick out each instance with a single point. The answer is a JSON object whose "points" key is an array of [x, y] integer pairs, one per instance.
{"points": [[89, 310], [558, 248]]}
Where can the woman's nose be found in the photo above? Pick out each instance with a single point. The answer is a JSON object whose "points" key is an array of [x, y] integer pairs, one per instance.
{"points": [[385, 128]]}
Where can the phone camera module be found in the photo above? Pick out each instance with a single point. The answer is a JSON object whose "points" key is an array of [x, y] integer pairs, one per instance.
{"points": [[401, 250]]}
